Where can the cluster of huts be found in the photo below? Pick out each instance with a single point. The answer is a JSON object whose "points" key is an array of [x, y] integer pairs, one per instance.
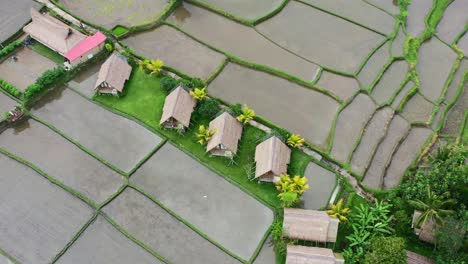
{"points": [[76, 48], [310, 225], [271, 156]]}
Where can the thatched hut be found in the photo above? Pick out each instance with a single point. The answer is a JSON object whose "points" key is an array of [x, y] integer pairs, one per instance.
{"points": [[228, 133], [309, 225], [177, 110], [53, 33], [114, 72], [311, 255], [272, 157]]}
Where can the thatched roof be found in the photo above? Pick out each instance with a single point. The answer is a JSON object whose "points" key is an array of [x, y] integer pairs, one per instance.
{"points": [[309, 225], [309, 255], [426, 232], [272, 155], [179, 105], [413, 258], [115, 71], [52, 32], [228, 132]]}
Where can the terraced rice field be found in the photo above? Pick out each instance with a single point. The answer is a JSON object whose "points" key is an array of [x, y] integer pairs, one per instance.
{"points": [[83, 182], [14, 15]]}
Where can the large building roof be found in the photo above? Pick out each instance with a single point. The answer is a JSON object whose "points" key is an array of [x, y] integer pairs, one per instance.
{"points": [[86, 45], [52, 32], [309, 225], [309, 255], [228, 132], [272, 155], [115, 71], [179, 105]]}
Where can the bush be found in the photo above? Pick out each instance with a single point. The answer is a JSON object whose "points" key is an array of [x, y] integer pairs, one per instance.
{"points": [[388, 250], [448, 173], [9, 88], [207, 109], [192, 83], [450, 236], [168, 83], [47, 79], [109, 47], [9, 48], [236, 109]]}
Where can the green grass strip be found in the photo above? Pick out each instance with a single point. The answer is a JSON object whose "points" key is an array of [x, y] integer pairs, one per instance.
{"points": [[272, 13], [75, 237], [134, 239], [452, 103], [51, 179], [189, 225], [217, 71], [368, 57], [147, 157], [9, 257]]}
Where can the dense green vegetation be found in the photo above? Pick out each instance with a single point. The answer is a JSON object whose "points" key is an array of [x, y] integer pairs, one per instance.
{"points": [[10, 48], [45, 81], [9, 88], [119, 31]]}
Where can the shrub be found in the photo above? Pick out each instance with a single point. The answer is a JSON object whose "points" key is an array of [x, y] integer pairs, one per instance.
{"points": [[450, 236], [9, 88], [204, 135], [199, 94], [109, 47], [338, 211], [47, 79], [9, 48], [247, 115], [296, 141], [388, 250], [448, 173], [151, 66], [192, 83], [291, 189], [168, 83], [207, 108], [236, 109]]}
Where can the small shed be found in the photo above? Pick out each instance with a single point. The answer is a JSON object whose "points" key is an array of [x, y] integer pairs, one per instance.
{"points": [[53, 33], [309, 225], [426, 232], [114, 72], [228, 133], [413, 258], [86, 49], [178, 108], [272, 158], [311, 255]]}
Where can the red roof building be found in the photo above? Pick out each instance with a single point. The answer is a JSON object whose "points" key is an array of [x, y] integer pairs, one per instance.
{"points": [[86, 48]]}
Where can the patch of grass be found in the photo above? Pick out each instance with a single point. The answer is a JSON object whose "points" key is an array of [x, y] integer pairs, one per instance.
{"points": [[46, 52], [144, 100], [119, 31]]}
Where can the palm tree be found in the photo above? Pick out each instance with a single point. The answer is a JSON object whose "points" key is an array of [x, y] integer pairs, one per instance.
{"points": [[434, 207], [247, 115], [337, 211]]}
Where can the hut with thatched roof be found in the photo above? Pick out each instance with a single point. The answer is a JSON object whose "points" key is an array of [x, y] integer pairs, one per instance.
{"points": [[228, 133], [177, 110], [114, 72], [413, 258], [426, 231], [53, 33], [311, 255], [309, 225], [272, 157]]}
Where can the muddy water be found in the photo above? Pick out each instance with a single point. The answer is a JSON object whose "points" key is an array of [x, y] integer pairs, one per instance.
{"points": [[13, 15], [38, 217], [435, 62], [111, 13], [116, 139], [24, 72], [358, 11], [322, 182], [176, 50], [64, 161], [320, 37], [296, 108], [239, 40], [247, 9], [390, 6], [85, 81], [417, 11], [6, 104], [454, 20]]}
